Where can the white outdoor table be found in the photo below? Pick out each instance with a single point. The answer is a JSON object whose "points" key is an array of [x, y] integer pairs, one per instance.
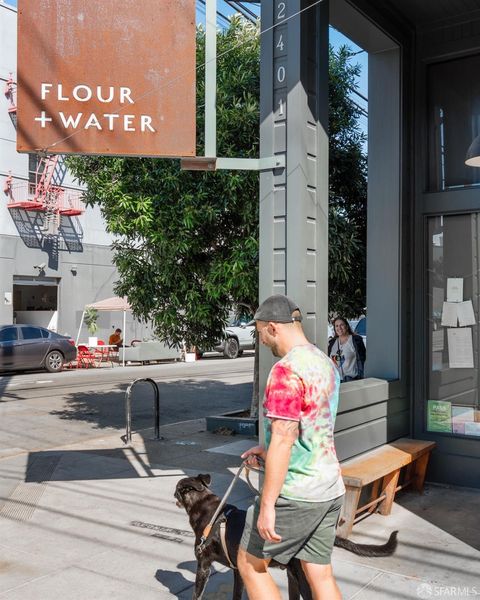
{"points": [[97, 345]]}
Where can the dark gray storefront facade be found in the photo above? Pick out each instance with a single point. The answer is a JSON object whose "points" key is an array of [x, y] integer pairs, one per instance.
{"points": [[423, 212]]}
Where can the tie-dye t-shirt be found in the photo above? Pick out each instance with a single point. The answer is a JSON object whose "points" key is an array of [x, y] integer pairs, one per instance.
{"points": [[303, 386]]}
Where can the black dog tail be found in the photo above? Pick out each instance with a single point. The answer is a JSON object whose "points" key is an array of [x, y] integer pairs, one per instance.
{"points": [[372, 550]]}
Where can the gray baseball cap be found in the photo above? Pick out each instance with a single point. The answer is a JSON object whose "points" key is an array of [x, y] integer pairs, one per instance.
{"points": [[277, 309]]}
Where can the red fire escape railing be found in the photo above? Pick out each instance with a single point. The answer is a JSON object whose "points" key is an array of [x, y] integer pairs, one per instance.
{"points": [[51, 198], [11, 94], [44, 195]]}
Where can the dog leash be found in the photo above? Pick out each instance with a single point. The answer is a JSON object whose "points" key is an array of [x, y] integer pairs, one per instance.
{"points": [[208, 531]]}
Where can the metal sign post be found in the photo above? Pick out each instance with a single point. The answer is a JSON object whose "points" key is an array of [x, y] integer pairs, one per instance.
{"points": [[211, 79], [211, 162]]}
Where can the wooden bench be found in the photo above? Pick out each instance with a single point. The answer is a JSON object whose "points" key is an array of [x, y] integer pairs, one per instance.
{"points": [[381, 467]]}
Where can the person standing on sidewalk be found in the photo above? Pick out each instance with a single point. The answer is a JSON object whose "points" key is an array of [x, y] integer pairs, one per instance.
{"points": [[347, 350], [299, 506]]}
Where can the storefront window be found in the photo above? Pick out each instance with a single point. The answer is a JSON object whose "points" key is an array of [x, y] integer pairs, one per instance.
{"points": [[454, 121], [452, 404]]}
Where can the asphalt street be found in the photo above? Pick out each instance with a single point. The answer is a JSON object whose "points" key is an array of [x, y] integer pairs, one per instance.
{"points": [[40, 410]]}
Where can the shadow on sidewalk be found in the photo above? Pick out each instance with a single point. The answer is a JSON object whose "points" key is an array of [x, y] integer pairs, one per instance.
{"points": [[75, 465], [452, 509], [183, 405], [179, 401], [178, 585], [6, 396], [127, 462], [174, 581]]}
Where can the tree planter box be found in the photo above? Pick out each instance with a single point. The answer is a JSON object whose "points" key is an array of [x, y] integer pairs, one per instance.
{"points": [[235, 422]]}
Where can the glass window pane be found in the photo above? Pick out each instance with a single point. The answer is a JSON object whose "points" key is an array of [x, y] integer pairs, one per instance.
{"points": [[33, 166], [454, 121], [31, 333], [361, 328], [8, 334], [452, 404]]}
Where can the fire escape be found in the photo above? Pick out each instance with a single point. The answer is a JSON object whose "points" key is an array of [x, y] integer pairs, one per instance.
{"points": [[46, 194], [11, 95]]}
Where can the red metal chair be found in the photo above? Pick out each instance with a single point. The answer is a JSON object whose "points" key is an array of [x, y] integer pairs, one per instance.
{"points": [[104, 354], [101, 353], [85, 358]]}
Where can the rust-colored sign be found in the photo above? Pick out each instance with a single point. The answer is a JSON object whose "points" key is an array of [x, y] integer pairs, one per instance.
{"points": [[110, 77]]}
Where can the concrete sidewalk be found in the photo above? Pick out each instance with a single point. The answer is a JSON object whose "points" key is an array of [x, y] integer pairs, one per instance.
{"points": [[98, 520]]}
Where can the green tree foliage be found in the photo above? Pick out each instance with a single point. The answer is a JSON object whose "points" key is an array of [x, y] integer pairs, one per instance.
{"points": [[90, 318], [186, 243], [347, 230]]}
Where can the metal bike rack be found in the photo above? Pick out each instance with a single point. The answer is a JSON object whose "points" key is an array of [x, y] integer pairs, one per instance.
{"points": [[128, 409]]}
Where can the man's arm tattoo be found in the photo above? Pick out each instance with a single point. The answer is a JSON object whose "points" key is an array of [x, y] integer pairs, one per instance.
{"points": [[285, 428]]}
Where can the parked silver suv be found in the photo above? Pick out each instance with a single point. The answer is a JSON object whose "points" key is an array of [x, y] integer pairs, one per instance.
{"points": [[239, 335]]}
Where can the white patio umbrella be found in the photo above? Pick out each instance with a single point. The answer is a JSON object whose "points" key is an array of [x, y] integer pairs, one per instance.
{"points": [[114, 304]]}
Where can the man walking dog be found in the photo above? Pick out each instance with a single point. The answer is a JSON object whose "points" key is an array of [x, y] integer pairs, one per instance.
{"points": [[298, 509]]}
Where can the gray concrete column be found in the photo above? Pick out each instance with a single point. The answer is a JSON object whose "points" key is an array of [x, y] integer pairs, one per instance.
{"points": [[384, 215], [294, 200]]}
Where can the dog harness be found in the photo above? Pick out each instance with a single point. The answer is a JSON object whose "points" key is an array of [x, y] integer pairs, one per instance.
{"points": [[223, 537], [206, 538], [221, 525]]}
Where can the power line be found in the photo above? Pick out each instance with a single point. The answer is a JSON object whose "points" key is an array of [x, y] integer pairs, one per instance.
{"points": [[221, 15], [254, 15], [238, 6], [202, 9], [360, 108], [355, 91], [245, 12]]}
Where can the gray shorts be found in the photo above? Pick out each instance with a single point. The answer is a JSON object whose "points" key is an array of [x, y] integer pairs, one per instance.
{"points": [[307, 530]]}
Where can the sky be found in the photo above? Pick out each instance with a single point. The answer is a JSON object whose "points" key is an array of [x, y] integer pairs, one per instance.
{"points": [[337, 39]]}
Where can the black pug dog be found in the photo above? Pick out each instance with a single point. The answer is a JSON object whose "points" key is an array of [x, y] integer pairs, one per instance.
{"points": [[195, 496]]}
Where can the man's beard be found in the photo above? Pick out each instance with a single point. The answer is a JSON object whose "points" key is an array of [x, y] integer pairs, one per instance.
{"points": [[274, 350]]}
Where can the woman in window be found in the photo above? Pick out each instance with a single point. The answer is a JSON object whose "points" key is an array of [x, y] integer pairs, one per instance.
{"points": [[347, 351]]}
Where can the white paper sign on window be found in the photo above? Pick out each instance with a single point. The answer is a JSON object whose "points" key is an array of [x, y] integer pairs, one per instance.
{"points": [[472, 428], [449, 314], [455, 289], [460, 348], [465, 313]]}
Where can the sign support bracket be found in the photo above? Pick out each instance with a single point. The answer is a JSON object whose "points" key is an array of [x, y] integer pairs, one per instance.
{"points": [[210, 162]]}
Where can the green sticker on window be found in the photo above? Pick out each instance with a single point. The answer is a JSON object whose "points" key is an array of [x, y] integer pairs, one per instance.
{"points": [[439, 416]]}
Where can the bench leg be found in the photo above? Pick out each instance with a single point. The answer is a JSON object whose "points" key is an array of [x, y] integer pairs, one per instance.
{"points": [[374, 495], [420, 471], [389, 486], [349, 508], [408, 474]]}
